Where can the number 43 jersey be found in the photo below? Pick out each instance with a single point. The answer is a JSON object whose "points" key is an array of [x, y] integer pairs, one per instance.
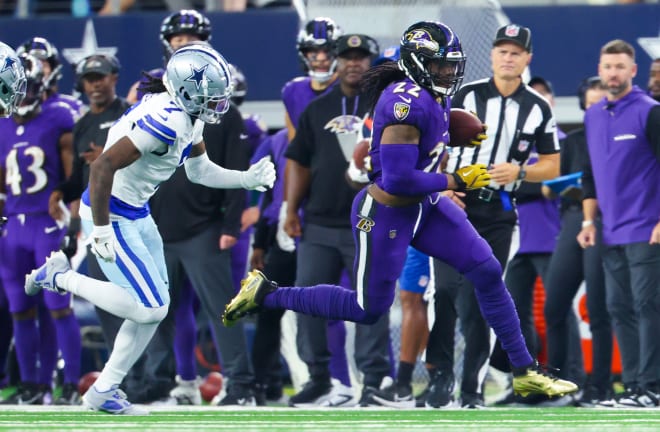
{"points": [[30, 158], [405, 103]]}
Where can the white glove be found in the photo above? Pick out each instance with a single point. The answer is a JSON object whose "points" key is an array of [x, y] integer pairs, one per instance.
{"points": [[286, 243], [198, 132], [356, 174], [259, 176], [102, 241]]}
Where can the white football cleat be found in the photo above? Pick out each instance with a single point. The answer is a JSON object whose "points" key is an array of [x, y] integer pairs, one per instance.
{"points": [[44, 276]]}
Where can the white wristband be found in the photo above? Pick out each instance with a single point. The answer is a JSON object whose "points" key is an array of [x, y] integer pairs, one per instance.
{"points": [[587, 223], [3, 197]]}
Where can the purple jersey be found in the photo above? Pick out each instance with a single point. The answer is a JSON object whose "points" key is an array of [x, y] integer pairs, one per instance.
{"points": [[625, 170], [30, 158], [275, 146], [539, 219], [404, 102], [75, 104], [297, 94], [256, 130]]}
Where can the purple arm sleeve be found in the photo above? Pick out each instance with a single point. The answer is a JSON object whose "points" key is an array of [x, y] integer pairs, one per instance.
{"points": [[400, 174]]}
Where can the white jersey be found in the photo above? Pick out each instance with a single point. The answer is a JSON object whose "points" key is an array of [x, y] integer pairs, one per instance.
{"points": [[162, 132]]}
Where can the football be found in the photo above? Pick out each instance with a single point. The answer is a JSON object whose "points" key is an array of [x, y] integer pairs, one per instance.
{"points": [[360, 152], [463, 127], [211, 386], [87, 380]]}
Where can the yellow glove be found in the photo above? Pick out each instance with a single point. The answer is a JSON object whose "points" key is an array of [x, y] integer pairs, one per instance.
{"points": [[472, 177], [477, 140]]}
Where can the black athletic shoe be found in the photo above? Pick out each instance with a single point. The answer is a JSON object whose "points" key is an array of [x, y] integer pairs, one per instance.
{"points": [[312, 394], [441, 390], [472, 401], [238, 394], [69, 396], [596, 398], [395, 396], [639, 398], [26, 394]]}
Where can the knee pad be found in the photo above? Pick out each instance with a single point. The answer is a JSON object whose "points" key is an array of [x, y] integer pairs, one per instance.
{"points": [[487, 273]]}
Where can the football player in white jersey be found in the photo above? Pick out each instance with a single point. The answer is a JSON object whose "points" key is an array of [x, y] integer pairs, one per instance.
{"points": [[144, 147]]}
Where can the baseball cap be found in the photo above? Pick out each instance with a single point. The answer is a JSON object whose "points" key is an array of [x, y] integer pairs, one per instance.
{"points": [[357, 41], [392, 53], [99, 64], [514, 33], [541, 81]]}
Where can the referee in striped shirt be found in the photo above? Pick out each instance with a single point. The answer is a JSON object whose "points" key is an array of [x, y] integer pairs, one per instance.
{"points": [[518, 119]]}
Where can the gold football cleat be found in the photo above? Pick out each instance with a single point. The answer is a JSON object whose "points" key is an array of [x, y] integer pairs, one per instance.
{"points": [[254, 288], [536, 381]]}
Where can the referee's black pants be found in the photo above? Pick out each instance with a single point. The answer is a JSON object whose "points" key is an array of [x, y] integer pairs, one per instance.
{"points": [[495, 225]]}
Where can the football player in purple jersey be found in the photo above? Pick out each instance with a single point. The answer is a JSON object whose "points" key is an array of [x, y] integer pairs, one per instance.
{"points": [[402, 206], [36, 155], [177, 29], [315, 46], [45, 51]]}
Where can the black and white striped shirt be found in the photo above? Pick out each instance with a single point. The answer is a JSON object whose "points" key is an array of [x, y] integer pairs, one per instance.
{"points": [[516, 124]]}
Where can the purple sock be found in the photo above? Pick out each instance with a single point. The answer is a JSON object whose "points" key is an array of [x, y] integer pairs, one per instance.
{"points": [[26, 339], [185, 335], [68, 338], [327, 301], [47, 346], [337, 345], [499, 311]]}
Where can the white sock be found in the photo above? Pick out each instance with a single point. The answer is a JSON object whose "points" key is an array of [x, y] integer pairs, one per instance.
{"points": [[131, 341], [106, 295]]}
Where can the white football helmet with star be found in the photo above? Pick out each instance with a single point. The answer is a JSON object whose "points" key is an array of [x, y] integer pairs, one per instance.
{"points": [[199, 80], [12, 81]]}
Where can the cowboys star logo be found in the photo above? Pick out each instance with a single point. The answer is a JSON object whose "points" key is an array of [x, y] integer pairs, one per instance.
{"points": [[198, 76], [9, 64]]}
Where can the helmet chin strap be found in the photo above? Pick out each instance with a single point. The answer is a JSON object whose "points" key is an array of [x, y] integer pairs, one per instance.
{"points": [[436, 90], [322, 77], [53, 77]]}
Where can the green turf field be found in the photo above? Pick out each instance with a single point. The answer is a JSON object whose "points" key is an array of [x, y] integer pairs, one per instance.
{"points": [[20, 418]]}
